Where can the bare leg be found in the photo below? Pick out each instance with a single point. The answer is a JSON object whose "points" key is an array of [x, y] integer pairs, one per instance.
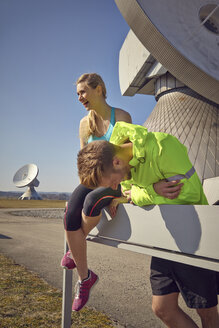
{"points": [[89, 222], [209, 317], [167, 309], [78, 245]]}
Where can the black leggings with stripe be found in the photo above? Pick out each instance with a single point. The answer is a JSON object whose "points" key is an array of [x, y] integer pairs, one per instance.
{"points": [[90, 201]]}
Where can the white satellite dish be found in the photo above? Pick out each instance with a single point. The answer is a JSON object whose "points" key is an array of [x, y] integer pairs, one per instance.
{"points": [[27, 176], [172, 51], [181, 35]]}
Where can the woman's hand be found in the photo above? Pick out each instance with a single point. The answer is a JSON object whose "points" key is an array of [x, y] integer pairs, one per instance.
{"points": [[168, 189], [114, 205]]}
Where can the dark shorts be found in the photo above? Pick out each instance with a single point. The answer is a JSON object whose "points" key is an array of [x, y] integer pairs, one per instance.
{"points": [[198, 286], [90, 201]]}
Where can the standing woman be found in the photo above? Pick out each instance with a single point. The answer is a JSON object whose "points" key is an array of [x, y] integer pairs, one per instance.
{"points": [[83, 211]]}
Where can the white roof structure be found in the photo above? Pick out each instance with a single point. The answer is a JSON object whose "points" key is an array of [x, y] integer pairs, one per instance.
{"points": [[181, 35]]}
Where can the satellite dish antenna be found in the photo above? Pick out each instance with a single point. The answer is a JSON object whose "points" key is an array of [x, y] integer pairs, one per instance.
{"points": [[172, 52], [181, 35], [27, 176]]}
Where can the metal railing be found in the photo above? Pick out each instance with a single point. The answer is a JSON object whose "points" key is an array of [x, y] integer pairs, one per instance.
{"points": [[182, 233]]}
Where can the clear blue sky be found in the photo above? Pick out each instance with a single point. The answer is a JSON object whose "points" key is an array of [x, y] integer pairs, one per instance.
{"points": [[45, 46]]}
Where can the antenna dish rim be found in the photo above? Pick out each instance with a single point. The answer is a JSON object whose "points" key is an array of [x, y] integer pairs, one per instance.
{"points": [[26, 175]]}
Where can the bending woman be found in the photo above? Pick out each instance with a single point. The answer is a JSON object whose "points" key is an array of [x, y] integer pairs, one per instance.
{"points": [[83, 211]]}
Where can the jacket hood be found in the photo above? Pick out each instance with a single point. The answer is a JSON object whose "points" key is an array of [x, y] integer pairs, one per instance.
{"points": [[137, 134]]}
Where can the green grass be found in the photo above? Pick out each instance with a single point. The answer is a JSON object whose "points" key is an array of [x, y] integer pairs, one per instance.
{"points": [[26, 300], [17, 203]]}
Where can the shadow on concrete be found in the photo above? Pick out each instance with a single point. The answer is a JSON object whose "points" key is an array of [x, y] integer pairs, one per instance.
{"points": [[4, 237], [111, 228], [184, 226]]}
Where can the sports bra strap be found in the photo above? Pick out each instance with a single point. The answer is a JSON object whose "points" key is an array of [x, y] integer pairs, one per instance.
{"points": [[107, 135]]}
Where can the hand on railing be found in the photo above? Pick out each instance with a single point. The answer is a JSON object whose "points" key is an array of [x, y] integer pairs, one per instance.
{"points": [[112, 207]]}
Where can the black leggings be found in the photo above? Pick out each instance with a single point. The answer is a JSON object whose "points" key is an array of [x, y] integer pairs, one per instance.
{"points": [[90, 201]]}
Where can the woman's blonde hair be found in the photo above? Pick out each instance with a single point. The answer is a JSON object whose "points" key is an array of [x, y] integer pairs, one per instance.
{"points": [[93, 80], [92, 120]]}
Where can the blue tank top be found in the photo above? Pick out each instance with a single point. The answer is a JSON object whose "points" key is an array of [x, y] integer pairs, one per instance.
{"points": [[108, 133]]}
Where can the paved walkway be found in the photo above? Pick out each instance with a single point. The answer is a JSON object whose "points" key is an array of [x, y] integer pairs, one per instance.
{"points": [[123, 291]]}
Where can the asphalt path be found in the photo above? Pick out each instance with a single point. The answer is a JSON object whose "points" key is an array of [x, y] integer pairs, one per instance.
{"points": [[123, 291]]}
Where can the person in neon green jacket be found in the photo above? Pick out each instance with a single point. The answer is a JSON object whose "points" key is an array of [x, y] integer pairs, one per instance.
{"points": [[154, 168], [157, 156]]}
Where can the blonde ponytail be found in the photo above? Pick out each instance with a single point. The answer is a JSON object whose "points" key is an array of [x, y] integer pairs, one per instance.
{"points": [[92, 119]]}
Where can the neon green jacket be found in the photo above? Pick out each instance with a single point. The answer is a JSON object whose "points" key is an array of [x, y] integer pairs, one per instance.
{"points": [[156, 156]]}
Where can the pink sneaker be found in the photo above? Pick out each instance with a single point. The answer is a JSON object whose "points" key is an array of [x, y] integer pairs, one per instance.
{"points": [[83, 290], [67, 262]]}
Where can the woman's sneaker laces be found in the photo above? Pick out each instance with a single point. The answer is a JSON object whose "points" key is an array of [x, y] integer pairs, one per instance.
{"points": [[83, 290]]}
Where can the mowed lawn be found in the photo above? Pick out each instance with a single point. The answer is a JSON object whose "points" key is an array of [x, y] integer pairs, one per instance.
{"points": [[26, 300], [17, 203]]}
